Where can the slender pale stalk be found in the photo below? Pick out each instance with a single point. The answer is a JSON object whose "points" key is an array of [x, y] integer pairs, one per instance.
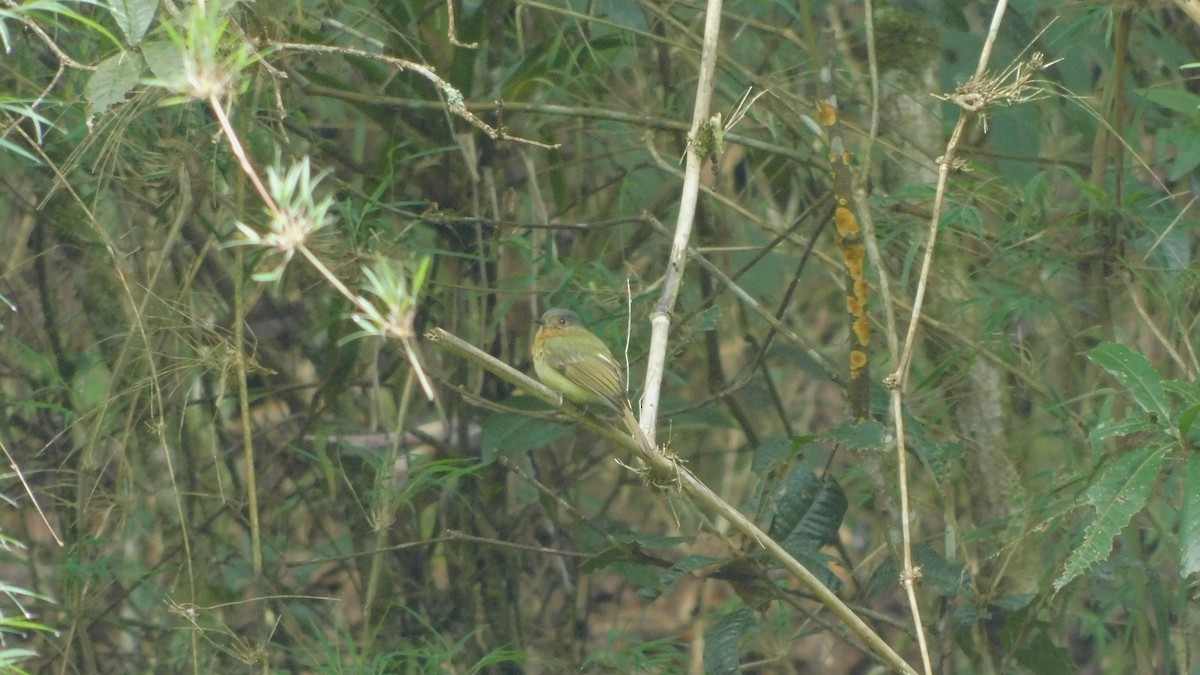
{"points": [[660, 318]]}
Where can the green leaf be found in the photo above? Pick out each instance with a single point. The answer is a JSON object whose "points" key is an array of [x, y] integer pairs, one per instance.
{"points": [[645, 577], [1187, 148], [1118, 494], [1135, 373], [1176, 100], [1189, 527], [721, 642], [771, 453], [1041, 656], [1186, 419], [164, 59], [91, 383], [507, 433], [808, 511], [883, 580], [867, 435], [1109, 428], [947, 578], [1189, 393], [113, 79], [133, 17], [38, 124], [819, 564]]}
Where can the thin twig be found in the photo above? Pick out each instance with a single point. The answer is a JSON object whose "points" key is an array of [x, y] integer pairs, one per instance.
{"points": [[32, 25], [243, 160], [452, 31], [29, 491], [862, 196], [898, 380], [753, 305], [453, 97]]}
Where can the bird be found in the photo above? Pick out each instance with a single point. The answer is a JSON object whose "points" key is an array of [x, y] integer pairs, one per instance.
{"points": [[571, 360]]}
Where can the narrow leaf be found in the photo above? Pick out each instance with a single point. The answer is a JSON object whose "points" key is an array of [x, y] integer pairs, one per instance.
{"points": [[1177, 100], [1186, 419], [1109, 428], [1118, 494], [1189, 527], [1135, 374]]}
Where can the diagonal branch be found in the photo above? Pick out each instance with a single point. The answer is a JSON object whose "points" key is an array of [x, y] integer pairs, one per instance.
{"points": [[662, 465]]}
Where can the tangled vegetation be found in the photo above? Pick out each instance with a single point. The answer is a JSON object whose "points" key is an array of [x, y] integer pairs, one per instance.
{"points": [[913, 324]]}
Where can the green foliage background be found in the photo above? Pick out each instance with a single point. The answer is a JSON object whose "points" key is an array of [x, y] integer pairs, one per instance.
{"points": [[145, 358]]}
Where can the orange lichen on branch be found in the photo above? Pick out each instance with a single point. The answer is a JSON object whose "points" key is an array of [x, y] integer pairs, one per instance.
{"points": [[854, 255], [827, 113], [858, 359]]}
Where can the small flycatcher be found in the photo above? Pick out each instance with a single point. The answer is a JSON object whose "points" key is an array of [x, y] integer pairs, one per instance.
{"points": [[571, 360]]}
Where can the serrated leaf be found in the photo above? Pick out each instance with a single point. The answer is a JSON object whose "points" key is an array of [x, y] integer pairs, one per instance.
{"points": [[112, 80], [857, 436], [721, 642], [1118, 494], [164, 60], [771, 453], [1136, 375], [820, 565], [947, 578], [1189, 526], [807, 511], [885, 578], [133, 17]]}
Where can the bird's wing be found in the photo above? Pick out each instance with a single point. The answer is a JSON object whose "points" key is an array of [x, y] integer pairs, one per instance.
{"points": [[590, 365]]}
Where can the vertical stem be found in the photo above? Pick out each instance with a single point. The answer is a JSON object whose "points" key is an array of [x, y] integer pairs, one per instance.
{"points": [[383, 515], [239, 360], [661, 317], [898, 380]]}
